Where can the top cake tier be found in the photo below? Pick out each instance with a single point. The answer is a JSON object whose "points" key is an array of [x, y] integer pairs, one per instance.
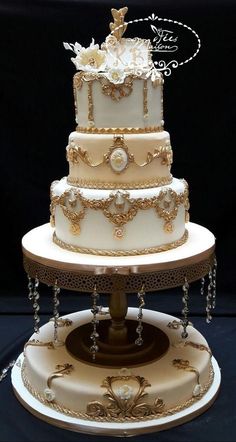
{"points": [[133, 106], [117, 88]]}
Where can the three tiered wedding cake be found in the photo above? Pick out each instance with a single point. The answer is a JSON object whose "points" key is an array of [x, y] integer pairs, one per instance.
{"points": [[120, 197]]}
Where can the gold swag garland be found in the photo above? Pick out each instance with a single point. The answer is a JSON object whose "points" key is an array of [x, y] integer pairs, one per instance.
{"points": [[118, 208]]}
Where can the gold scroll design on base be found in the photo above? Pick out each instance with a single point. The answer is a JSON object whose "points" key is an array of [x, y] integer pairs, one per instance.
{"points": [[36, 343], [125, 402], [119, 208], [60, 371], [76, 153], [83, 415], [200, 347], [183, 364]]}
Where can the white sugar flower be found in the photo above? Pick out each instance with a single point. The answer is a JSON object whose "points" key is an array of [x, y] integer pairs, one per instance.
{"points": [[49, 394], [116, 76], [125, 392], [197, 390], [111, 41], [90, 59]]}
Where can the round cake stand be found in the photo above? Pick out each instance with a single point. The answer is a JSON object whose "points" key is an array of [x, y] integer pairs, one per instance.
{"points": [[117, 276]]}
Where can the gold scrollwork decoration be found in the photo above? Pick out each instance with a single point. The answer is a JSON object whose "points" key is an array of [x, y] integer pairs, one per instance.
{"points": [[126, 401], [200, 347], [60, 371], [117, 91], [75, 153], [165, 204], [36, 343]]}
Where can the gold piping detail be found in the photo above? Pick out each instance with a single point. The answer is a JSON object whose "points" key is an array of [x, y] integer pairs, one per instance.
{"points": [[158, 249], [90, 103], [77, 414], [147, 184], [119, 130], [145, 102]]}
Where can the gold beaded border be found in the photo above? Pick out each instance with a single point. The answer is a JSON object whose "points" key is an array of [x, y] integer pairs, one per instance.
{"points": [[147, 184], [119, 130], [101, 252], [78, 414]]}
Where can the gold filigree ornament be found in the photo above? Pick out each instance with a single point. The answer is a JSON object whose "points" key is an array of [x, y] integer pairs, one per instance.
{"points": [[166, 205], [125, 396], [119, 90], [118, 156], [70, 197]]}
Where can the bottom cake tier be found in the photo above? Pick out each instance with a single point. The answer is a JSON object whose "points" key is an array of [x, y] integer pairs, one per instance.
{"points": [[119, 222], [165, 385]]}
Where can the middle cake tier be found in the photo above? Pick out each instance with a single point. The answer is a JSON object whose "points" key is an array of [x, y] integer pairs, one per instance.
{"points": [[119, 161], [119, 222]]}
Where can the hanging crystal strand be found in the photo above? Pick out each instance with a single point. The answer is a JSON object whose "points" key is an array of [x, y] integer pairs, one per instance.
{"points": [[33, 291], [209, 298], [56, 290], [213, 304], [139, 329], [202, 289], [95, 310], [30, 287], [185, 311]]}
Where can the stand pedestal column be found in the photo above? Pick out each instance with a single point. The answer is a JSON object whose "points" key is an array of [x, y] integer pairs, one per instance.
{"points": [[118, 306]]}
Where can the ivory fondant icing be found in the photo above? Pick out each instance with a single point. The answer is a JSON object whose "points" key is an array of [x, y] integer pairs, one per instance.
{"points": [[128, 111], [140, 158]]}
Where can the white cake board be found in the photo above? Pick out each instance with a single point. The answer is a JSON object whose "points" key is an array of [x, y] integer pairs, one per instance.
{"points": [[38, 246]]}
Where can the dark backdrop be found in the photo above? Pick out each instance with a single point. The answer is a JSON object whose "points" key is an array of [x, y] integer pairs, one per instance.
{"points": [[37, 115], [37, 112]]}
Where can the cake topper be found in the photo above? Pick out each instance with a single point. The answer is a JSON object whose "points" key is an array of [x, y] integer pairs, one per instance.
{"points": [[131, 55], [119, 26]]}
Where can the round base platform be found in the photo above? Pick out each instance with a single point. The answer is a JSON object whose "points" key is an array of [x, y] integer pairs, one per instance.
{"points": [[107, 428], [90, 379]]}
